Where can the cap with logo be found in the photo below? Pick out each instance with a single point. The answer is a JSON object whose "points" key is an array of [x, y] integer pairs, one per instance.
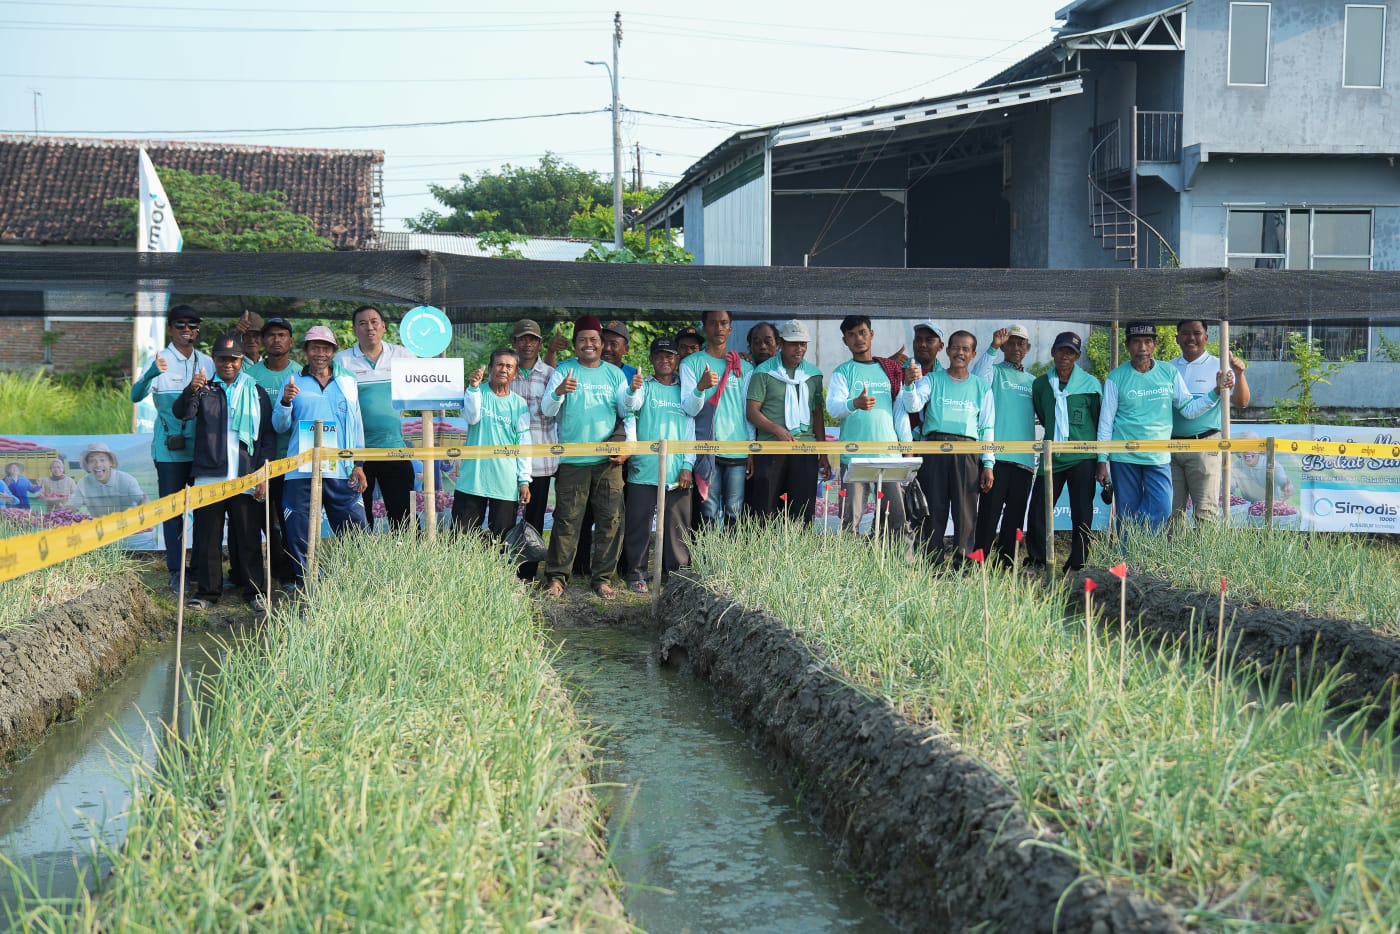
{"points": [[1068, 340], [928, 325], [320, 333], [689, 331], [526, 327], [794, 332], [1017, 330], [277, 321], [618, 328], [227, 345], [1139, 329], [664, 345]]}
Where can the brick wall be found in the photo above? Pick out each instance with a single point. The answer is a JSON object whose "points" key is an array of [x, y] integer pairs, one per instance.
{"points": [[87, 342], [21, 346]]}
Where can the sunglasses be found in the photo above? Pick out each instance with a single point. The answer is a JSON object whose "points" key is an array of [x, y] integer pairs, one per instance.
{"points": [[185, 325]]}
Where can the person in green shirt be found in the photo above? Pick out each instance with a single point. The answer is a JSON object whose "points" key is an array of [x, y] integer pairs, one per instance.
{"points": [[587, 395], [785, 404], [1001, 511], [271, 373], [1067, 401], [661, 417], [489, 488]]}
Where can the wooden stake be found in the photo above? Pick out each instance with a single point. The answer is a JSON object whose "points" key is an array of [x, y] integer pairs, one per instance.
{"points": [[1089, 634], [1048, 475], [313, 530], [267, 538], [658, 552], [1219, 656], [429, 478], [179, 623]]}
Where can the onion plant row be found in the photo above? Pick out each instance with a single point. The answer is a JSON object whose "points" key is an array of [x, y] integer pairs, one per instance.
{"points": [[1323, 574], [28, 594], [1242, 808], [396, 756]]}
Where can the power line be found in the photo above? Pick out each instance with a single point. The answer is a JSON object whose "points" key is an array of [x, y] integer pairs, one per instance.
{"points": [[323, 129], [45, 25]]}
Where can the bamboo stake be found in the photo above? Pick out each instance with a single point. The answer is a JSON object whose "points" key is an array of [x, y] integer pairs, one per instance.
{"points": [[313, 531], [658, 552], [1048, 473], [429, 478], [1225, 413], [1089, 586], [1122, 625], [1269, 491], [267, 538], [1219, 658], [179, 624]]}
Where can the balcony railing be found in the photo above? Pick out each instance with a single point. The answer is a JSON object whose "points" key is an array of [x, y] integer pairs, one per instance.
{"points": [[1158, 136]]}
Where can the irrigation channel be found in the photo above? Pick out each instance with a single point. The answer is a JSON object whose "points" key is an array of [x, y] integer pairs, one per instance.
{"points": [[70, 794], [704, 835]]}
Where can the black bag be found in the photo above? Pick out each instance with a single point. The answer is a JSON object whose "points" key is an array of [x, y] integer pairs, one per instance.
{"points": [[915, 503], [173, 442], [525, 543]]}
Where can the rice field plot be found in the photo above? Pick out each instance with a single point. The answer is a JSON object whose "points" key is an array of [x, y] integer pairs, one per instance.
{"points": [[391, 753], [1241, 808], [1347, 577]]}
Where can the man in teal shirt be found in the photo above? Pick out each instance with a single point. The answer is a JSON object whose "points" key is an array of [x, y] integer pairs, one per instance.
{"points": [[172, 445], [715, 392], [1001, 511], [587, 396], [271, 372], [1139, 398]]}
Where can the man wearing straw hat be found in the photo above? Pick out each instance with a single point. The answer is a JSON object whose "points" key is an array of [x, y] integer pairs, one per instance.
{"points": [[320, 392], [233, 437], [105, 489]]}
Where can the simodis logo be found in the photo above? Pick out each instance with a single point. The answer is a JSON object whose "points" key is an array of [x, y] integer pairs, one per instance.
{"points": [[1327, 507]]}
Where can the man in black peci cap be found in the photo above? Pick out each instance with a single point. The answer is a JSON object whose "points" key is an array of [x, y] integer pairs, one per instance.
{"points": [[1066, 400]]}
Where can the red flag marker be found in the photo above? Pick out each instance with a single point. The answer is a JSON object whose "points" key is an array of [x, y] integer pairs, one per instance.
{"points": [[977, 556], [879, 494], [842, 493], [1020, 535], [1222, 585], [1089, 585], [1119, 571], [783, 497]]}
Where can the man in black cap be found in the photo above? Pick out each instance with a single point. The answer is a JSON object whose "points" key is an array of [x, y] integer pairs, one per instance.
{"points": [[233, 437], [689, 340], [1067, 400]]}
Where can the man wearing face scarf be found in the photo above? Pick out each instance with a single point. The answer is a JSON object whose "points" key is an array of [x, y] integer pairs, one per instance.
{"points": [[233, 437]]}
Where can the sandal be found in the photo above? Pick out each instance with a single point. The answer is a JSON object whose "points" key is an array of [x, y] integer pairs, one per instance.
{"points": [[196, 603], [555, 590], [605, 591], [258, 604], [639, 587]]}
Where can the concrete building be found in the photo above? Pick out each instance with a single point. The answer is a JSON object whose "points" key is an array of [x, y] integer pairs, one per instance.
{"points": [[1204, 133]]}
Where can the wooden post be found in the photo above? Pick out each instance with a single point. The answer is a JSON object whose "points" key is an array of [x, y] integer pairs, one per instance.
{"points": [[267, 537], [179, 627], [659, 550], [1269, 492], [1048, 475], [313, 529], [429, 479], [1225, 417]]}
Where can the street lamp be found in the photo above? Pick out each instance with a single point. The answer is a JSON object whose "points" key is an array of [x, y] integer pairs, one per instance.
{"points": [[617, 147]]}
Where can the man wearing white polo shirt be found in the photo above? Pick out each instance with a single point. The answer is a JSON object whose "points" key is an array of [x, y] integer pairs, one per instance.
{"points": [[1196, 474], [371, 362]]}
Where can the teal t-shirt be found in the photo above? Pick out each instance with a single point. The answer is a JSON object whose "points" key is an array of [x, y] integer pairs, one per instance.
{"points": [[731, 414], [955, 406], [273, 381], [1145, 408], [505, 420], [878, 424], [383, 422], [1011, 396], [661, 417], [589, 414]]}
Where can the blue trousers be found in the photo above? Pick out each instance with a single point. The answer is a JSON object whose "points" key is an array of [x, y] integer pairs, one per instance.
{"points": [[343, 508], [1142, 493], [726, 499]]}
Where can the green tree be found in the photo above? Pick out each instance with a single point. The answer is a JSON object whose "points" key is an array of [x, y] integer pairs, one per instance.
{"points": [[1310, 367], [535, 201]]}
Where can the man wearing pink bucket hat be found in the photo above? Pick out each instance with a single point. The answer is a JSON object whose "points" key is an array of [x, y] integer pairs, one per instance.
{"points": [[325, 393]]}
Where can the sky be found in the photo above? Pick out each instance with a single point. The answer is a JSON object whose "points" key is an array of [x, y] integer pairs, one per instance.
{"points": [[446, 88]]}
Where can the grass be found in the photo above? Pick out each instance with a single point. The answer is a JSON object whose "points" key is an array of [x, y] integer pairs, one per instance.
{"points": [[32, 593], [398, 757], [35, 403], [1323, 574], [1244, 809]]}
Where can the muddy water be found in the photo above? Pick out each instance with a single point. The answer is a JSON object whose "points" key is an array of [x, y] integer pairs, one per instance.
{"points": [[71, 793], [704, 836]]}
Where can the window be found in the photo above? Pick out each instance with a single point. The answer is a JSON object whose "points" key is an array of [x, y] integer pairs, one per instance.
{"points": [[1249, 44], [1363, 47], [1300, 238]]}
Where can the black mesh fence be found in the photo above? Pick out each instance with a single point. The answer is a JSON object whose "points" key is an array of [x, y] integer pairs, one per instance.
{"points": [[478, 289]]}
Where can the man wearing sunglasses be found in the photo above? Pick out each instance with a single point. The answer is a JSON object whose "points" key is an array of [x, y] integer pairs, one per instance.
{"points": [[172, 446]]}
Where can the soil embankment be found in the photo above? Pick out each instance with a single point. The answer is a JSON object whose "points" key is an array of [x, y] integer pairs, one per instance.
{"points": [[1292, 645], [50, 663], [940, 836]]}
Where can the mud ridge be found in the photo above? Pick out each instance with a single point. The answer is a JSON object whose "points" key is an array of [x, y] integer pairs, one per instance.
{"points": [[939, 836], [1296, 647], [49, 664]]}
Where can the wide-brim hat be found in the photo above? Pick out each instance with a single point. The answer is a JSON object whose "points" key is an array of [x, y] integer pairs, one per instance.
{"points": [[97, 447]]}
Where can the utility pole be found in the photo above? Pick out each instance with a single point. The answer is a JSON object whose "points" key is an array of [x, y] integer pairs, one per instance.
{"points": [[616, 132], [637, 180]]}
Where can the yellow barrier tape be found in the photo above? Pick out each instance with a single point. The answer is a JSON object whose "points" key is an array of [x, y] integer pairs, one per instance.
{"points": [[47, 547]]}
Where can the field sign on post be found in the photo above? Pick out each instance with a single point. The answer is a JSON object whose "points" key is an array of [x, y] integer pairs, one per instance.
{"points": [[435, 383]]}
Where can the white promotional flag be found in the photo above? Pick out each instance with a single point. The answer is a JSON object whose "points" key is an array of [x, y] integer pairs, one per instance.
{"points": [[156, 232]]}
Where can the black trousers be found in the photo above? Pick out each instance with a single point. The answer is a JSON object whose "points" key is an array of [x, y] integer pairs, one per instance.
{"points": [[1080, 479], [395, 479], [468, 511], [534, 514], [641, 509], [172, 477], [1003, 507], [242, 512], [949, 482], [793, 474]]}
